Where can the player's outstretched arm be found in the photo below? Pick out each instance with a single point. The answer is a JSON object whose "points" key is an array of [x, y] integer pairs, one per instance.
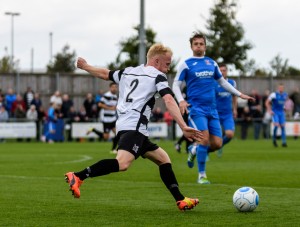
{"points": [[190, 133], [101, 73]]}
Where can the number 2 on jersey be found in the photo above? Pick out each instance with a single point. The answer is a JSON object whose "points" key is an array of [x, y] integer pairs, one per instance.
{"points": [[134, 85]]}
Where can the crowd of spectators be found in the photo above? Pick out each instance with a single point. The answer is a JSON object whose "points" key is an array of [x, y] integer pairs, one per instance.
{"points": [[28, 106]]}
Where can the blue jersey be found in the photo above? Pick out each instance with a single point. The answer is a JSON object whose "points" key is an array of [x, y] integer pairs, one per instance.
{"points": [[278, 100], [200, 74], [224, 98]]}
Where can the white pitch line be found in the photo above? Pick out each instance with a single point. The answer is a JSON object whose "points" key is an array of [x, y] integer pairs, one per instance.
{"points": [[85, 158]]}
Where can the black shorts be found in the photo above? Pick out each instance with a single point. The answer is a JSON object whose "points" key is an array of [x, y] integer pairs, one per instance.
{"points": [[107, 127], [135, 142]]}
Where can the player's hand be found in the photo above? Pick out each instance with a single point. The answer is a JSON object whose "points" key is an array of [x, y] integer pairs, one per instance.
{"points": [[251, 99], [183, 106], [80, 63], [192, 134]]}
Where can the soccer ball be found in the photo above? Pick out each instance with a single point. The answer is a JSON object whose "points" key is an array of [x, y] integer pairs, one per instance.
{"points": [[245, 199]]}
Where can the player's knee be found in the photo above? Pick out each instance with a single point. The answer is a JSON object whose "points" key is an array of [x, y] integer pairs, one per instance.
{"points": [[229, 134], [123, 166]]}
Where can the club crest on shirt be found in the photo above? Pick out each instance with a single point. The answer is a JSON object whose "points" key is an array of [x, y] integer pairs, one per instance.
{"points": [[135, 148], [207, 62]]}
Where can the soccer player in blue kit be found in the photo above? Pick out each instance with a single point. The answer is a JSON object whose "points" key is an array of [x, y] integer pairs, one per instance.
{"points": [[275, 106], [199, 73], [227, 108]]}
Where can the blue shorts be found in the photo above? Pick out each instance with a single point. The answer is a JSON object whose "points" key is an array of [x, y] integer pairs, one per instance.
{"points": [[51, 126], [206, 119], [279, 118], [227, 121]]}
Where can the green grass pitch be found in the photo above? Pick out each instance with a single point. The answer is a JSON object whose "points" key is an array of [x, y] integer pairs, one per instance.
{"points": [[33, 191]]}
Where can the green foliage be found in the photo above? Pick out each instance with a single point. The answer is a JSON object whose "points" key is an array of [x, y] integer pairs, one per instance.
{"points": [[5, 66], [225, 35], [34, 193], [129, 51], [292, 71], [63, 62], [279, 66]]}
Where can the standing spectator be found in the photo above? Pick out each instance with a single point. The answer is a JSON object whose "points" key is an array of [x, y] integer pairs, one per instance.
{"points": [[10, 97], [256, 113], [3, 113], [245, 122], [157, 115], [17, 104], [28, 97], [263, 99], [88, 105], [289, 108], [169, 120], [36, 101], [67, 103], [56, 98], [295, 97], [3, 116]]}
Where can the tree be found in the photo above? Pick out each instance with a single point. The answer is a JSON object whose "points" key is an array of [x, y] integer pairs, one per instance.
{"points": [[292, 71], [63, 62], [5, 66], [225, 35], [279, 66], [129, 50]]}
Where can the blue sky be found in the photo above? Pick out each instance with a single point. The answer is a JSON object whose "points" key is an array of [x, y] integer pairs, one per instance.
{"points": [[93, 28]]}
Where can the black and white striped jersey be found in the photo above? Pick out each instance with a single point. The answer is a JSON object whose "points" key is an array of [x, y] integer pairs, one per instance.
{"points": [[109, 99], [137, 88]]}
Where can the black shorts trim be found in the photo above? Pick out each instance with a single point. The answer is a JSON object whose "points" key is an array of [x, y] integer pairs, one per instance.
{"points": [[135, 142]]}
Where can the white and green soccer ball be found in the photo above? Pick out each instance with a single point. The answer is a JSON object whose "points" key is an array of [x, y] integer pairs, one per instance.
{"points": [[245, 199]]}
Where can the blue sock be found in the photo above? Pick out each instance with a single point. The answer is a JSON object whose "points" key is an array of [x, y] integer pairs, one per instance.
{"points": [[283, 135], [225, 140], [275, 133], [201, 157]]}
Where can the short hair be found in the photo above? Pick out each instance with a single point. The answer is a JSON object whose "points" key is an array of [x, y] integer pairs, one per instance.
{"points": [[158, 49], [197, 35], [222, 65], [112, 83]]}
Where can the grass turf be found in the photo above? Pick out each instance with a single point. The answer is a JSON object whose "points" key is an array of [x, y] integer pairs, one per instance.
{"points": [[34, 193]]}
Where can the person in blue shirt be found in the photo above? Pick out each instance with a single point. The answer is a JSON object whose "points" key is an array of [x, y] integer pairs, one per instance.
{"points": [[200, 73], [275, 106], [227, 108]]}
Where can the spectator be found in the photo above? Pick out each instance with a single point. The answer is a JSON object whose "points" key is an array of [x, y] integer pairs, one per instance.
{"points": [[67, 103], [56, 99], [264, 98], [82, 115], [295, 97], [169, 120], [20, 112], [157, 115], [3, 117], [19, 102], [32, 114], [73, 115], [88, 105], [28, 97], [245, 122], [289, 108], [256, 114], [36, 101], [3, 113], [10, 97]]}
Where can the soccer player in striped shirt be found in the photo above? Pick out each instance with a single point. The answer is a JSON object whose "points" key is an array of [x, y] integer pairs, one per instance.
{"points": [[137, 89]]}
